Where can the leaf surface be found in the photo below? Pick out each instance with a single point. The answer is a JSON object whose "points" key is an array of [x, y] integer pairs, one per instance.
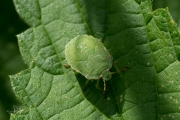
{"points": [[143, 40]]}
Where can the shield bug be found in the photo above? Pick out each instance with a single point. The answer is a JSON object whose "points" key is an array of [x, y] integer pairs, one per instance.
{"points": [[88, 56]]}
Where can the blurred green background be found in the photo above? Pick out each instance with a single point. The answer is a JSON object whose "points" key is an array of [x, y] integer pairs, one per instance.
{"points": [[10, 59]]}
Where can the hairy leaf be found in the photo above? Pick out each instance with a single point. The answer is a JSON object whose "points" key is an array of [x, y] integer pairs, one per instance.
{"points": [[145, 41]]}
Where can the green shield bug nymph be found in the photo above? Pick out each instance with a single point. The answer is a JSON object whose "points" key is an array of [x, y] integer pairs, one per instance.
{"points": [[88, 56]]}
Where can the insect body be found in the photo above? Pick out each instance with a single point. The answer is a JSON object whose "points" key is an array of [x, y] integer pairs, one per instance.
{"points": [[88, 56]]}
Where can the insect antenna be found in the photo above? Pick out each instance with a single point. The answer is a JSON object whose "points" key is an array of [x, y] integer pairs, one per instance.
{"points": [[122, 70]]}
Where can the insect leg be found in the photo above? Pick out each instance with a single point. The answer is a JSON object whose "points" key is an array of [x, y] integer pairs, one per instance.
{"points": [[104, 92], [86, 84], [97, 84]]}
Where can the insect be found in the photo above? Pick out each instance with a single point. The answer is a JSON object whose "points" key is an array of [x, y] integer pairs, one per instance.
{"points": [[88, 56]]}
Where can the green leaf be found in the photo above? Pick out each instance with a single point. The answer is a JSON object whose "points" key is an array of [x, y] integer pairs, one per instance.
{"points": [[145, 41], [173, 8]]}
